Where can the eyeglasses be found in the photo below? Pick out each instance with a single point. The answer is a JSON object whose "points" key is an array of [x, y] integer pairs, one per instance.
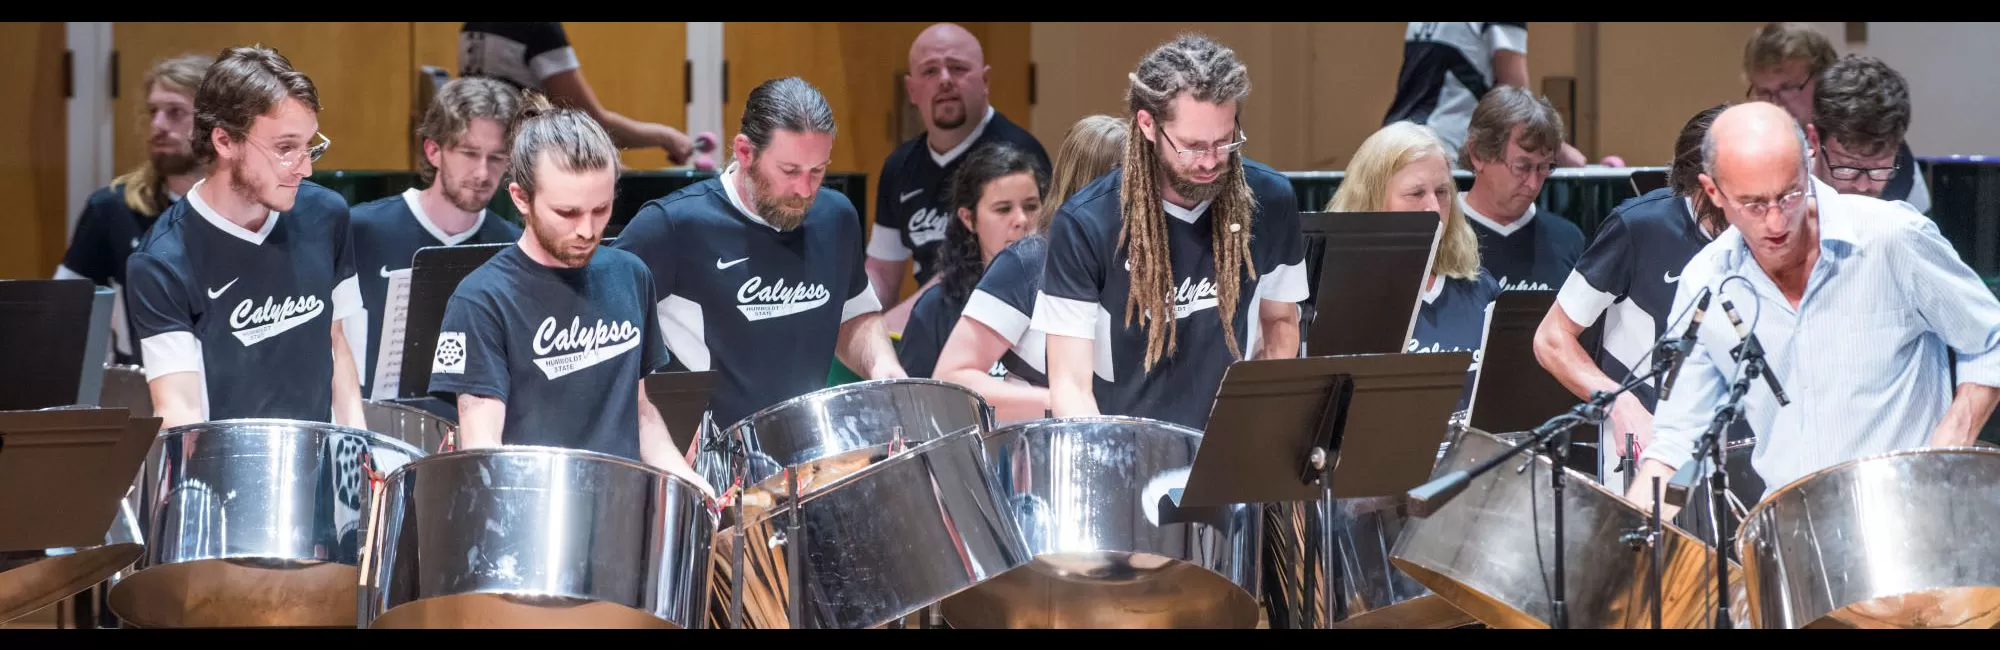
{"points": [[1197, 154], [290, 159], [1788, 203], [1787, 90], [1851, 173]]}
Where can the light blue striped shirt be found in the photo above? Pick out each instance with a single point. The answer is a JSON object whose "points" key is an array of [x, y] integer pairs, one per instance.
{"points": [[1862, 358]]}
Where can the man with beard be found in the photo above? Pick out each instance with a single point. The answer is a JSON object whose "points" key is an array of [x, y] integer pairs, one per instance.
{"points": [[1187, 226], [116, 216], [759, 270], [947, 84], [548, 343], [464, 136], [238, 290]]}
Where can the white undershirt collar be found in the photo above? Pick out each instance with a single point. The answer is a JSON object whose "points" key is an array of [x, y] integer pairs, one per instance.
{"points": [[729, 177], [1186, 214], [225, 225], [1495, 226], [412, 197], [946, 157]]}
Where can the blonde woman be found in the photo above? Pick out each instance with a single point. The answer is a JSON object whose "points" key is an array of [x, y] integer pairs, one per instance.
{"points": [[990, 350], [1404, 168]]}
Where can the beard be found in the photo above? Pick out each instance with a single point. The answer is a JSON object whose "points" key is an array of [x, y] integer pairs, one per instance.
{"points": [[560, 246], [949, 114], [173, 164], [783, 214], [467, 196], [239, 183], [1193, 191]]}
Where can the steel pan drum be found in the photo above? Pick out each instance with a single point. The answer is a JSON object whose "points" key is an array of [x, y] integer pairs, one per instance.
{"points": [[895, 536], [1488, 551], [1090, 496], [254, 523], [832, 432], [536, 537], [1903, 539], [33, 580], [423, 429]]}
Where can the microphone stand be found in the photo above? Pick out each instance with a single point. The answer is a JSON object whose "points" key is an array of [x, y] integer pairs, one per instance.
{"points": [[1750, 355]]}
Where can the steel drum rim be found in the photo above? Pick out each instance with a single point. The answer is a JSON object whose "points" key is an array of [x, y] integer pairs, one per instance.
{"points": [[239, 425], [1599, 488], [539, 451], [822, 393], [1798, 483], [1092, 419], [776, 509], [405, 408]]}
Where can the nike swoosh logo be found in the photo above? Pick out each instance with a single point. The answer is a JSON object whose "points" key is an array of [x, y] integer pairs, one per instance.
{"points": [[1671, 278], [385, 270], [217, 293], [910, 195], [720, 265]]}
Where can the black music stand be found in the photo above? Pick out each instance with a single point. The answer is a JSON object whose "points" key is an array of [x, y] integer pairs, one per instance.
{"points": [[52, 339], [435, 272], [682, 398], [1284, 429], [1512, 392], [1648, 180], [1369, 264], [63, 473]]}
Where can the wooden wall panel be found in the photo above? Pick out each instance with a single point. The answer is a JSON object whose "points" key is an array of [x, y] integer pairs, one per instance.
{"points": [[1654, 76], [362, 71], [33, 150], [637, 70]]}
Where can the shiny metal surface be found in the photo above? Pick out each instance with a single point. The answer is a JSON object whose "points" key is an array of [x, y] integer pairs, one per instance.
{"points": [[1487, 551], [830, 433], [536, 537], [1369, 591], [890, 538], [1091, 498], [427, 431], [254, 523], [1744, 488], [1901, 540]]}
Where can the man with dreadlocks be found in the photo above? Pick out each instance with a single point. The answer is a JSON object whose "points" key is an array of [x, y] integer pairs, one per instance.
{"points": [[1187, 226]]}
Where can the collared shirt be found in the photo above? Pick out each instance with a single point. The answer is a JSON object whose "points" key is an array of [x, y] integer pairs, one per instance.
{"points": [[1862, 358]]}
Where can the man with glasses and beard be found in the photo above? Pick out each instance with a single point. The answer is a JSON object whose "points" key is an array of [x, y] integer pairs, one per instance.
{"points": [[947, 84], [1187, 226], [465, 145], [549, 342], [238, 289], [116, 216], [759, 271]]}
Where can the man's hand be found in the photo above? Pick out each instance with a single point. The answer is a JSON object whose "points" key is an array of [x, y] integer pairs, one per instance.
{"points": [[1628, 415], [1640, 493], [888, 368], [687, 473]]}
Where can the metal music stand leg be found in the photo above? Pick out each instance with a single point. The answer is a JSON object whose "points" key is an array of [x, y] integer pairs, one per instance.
{"points": [[794, 537], [739, 465], [1326, 567]]}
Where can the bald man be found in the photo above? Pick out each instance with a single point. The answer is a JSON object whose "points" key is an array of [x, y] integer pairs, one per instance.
{"points": [[1854, 301], [947, 84]]}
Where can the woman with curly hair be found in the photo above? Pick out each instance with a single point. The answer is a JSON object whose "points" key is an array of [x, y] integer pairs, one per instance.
{"points": [[996, 197]]}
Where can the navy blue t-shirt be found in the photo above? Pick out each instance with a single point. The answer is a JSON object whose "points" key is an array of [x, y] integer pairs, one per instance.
{"points": [[931, 321], [1454, 319], [1085, 284], [1535, 252], [253, 312], [912, 200], [564, 348], [761, 307], [387, 233], [1005, 302], [106, 234]]}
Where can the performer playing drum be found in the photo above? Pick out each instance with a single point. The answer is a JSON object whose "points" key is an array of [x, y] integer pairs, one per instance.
{"points": [[547, 342], [1854, 301]]}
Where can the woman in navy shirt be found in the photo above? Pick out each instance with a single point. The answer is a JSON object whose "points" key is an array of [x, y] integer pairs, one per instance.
{"points": [[995, 199]]}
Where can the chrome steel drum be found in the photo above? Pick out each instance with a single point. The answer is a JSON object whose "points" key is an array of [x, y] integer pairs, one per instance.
{"points": [[1903, 539], [1110, 551], [1488, 550], [1369, 592], [830, 433], [536, 537], [254, 523], [423, 429], [904, 532]]}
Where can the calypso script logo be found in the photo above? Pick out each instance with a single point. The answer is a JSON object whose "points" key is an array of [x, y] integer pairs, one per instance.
{"points": [[581, 347], [253, 324], [759, 302]]}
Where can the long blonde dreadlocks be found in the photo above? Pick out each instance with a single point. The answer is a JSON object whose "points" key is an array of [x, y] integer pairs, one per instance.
{"points": [[1208, 73]]}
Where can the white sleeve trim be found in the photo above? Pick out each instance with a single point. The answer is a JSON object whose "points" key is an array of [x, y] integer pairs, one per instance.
{"points": [[1005, 320], [1508, 37], [347, 299], [1065, 317], [885, 243], [64, 273], [862, 303], [170, 353], [554, 62], [1287, 283], [1581, 302]]}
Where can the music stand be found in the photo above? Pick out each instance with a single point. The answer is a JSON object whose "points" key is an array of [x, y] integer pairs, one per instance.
{"points": [[1512, 392], [1648, 180], [435, 272], [1284, 429], [63, 474], [682, 398], [1370, 264], [52, 339]]}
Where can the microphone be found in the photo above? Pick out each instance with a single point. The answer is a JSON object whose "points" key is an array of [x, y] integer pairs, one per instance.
{"points": [[1686, 345], [1750, 344]]}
